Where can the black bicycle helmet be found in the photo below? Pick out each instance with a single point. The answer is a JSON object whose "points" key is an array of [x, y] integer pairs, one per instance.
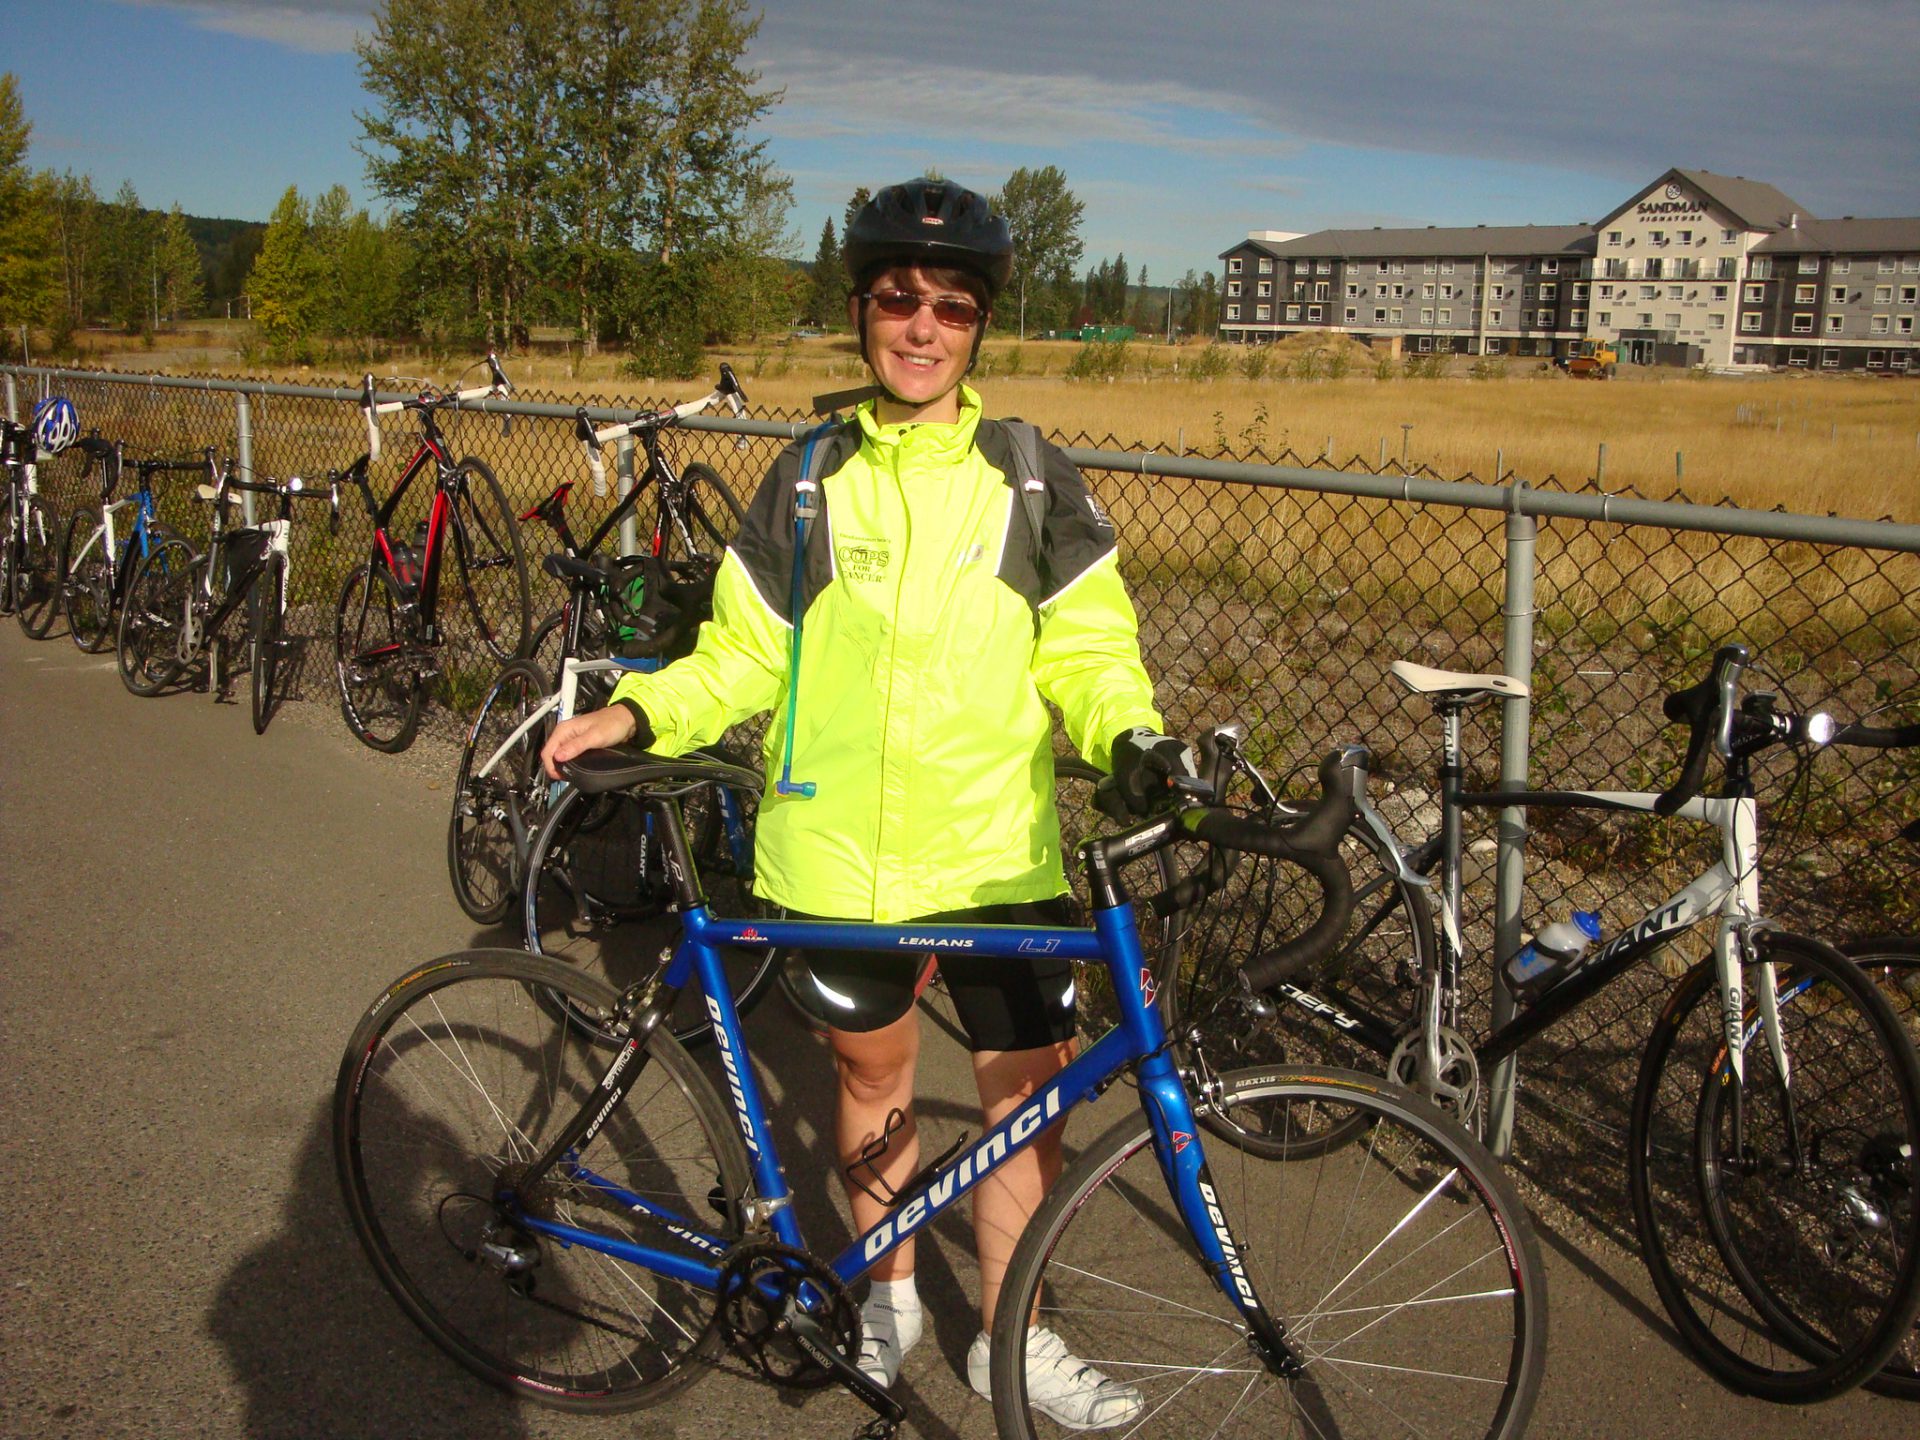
{"points": [[930, 222]]}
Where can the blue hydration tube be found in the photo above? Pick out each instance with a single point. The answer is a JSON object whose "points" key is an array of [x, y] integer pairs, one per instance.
{"points": [[806, 502]]}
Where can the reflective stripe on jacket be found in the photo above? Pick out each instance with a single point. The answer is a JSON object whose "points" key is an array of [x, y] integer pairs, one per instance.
{"points": [[929, 644]]}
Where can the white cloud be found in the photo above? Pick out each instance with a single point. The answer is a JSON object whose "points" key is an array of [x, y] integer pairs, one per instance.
{"points": [[321, 27]]}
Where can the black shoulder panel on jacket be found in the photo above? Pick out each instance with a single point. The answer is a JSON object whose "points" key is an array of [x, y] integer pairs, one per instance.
{"points": [[765, 542], [1076, 533]]}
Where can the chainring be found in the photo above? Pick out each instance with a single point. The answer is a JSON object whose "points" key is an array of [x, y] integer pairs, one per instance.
{"points": [[760, 1288]]}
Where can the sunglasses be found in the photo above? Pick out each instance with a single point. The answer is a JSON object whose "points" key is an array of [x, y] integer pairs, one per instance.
{"points": [[904, 305]]}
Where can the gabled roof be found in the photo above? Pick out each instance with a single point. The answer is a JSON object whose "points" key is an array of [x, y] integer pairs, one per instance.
{"points": [[1755, 204], [1379, 243], [1844, 237]]}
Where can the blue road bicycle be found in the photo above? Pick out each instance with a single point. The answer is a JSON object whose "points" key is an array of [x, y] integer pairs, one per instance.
{"points": [[103, 546], [573, 1213]]}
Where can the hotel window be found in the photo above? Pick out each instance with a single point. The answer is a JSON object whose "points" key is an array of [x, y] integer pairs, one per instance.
{"points": [[1549, 291], [1426, 317], [1353, 292], [1293, 312], [1493, 317], [1397, 314], [1672, 321], [1425, 342], [1385, 268], [1676, 292], [1233, 287], [1604, 319], [1803, 294], [1233, 312], [1910, 265], [1399, 292], [1656, 268], [1750, 323], [1606, 292], [1323, 267], [1876, 359], [1644, 320], [1446, 316], [1613, 237], [1577, 319], [1836, 324], [1266, 287], [1446, 292], [1829, 359], [1426, 292], [1493, 347], [1233, 266], [1797, 355], [1320, 290], [1380, 292], [1716, 322], [1313, 312], [1263, 312], [1837, 295], [1883, 294], [1755, 294], [1878, 325], [1580, 289], [1809, 264], [1656, 237], [1544, 318], [1760, 269], [1266, 266], [1686, 237], [1727, 268], [1379, 315], [1904, 324], [1729, 236], [1303, 267], [1803, 324], [1352, 315], [1527, 294], [1909, 294], [1399, 267], [1649, 292], [1446, 267], [1900, 359], [1549, 267], [1840, 266], [1428, 268], [1887, 265], [1720, 292]]}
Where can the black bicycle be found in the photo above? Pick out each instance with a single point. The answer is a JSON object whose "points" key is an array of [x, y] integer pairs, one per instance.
{"points": [[388, 638]]}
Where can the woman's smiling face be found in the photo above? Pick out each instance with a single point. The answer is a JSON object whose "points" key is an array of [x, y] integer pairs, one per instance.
{"points": [[920, 360]]}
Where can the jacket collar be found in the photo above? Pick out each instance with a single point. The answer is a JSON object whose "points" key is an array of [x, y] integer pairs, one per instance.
{"points": [[929, 442]]}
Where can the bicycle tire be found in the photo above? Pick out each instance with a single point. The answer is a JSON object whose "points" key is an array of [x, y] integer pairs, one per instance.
{"points": [[1892, 962], [491, 561], [457, 1075], [712, 515], [1402, 1268], [152, 615], [1746, 1251], [7, 558], [87, 580], [376, 663], [266, 615], [38, 578], [1389, 944], [595, 894], [496, 815]]}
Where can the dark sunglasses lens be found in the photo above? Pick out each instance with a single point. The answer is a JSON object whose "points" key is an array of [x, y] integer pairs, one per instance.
{"points": [[896, 304], [958, 313]]}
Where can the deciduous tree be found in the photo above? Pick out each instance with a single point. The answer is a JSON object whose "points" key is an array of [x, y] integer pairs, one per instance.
{"points": [[1044, 216]]}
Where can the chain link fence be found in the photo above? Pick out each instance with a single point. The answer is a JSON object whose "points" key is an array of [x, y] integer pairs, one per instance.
{"points": [[1276, 599]]}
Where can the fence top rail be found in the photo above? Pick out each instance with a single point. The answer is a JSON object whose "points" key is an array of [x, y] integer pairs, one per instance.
{"points": [[1518, 498]]}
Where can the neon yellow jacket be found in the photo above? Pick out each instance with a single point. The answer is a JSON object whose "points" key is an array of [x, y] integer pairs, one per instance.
{"points": [[930, 641]]}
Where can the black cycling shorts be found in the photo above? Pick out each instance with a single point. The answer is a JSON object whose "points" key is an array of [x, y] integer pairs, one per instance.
{"points": [[1003, 1003]]}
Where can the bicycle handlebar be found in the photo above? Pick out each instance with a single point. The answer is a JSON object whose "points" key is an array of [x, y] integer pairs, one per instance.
{"points": [[371, 409], [1873, 737], [729, 391], [1707, 708]]}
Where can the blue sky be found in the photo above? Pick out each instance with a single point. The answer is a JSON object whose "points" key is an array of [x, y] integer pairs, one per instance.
{"points": [[1180, 132]]}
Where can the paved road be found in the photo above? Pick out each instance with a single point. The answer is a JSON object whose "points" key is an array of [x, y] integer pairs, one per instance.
{"points": [[191, 919]]}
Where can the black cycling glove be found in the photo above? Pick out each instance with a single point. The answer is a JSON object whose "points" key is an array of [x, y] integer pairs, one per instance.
{"points": [[1144, 763], [643, 736]]}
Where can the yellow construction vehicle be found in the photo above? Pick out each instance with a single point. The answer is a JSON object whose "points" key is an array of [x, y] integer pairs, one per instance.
{"points": [[1592, 359]]}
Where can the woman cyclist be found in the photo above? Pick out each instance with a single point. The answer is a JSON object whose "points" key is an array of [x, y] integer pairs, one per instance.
{"points": [[935, 627]]}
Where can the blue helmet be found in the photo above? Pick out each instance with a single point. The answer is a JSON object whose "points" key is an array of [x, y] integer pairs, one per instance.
{"points": [[56, 424]]}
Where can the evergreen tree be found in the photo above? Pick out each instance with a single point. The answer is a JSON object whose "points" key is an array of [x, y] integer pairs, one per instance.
{"points": [[29, 279], [286, 285], [829, 272], [75, 215], [183, 288], [128, 269]]}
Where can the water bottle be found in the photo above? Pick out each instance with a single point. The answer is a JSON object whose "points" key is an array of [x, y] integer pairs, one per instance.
{"points": [[1551, 953]]}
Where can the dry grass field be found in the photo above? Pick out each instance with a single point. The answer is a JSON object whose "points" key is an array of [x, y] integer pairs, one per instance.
{"points": [[1850, 446]]}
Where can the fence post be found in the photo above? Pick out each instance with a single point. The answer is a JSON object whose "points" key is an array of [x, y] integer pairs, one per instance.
{"points": [[243, 447], [1510, 859], [13, 401], [623, 483]]}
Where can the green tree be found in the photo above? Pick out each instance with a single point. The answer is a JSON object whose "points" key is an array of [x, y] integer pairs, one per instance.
{"points": [[287, 284], [29, 279], [183, 289], [75, 214], [829, 272], [1044, 216], [855, 204], [127, 270]]}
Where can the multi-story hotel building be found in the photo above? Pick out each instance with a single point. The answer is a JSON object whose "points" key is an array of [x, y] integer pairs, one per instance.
{"points": [[1696, 269]]}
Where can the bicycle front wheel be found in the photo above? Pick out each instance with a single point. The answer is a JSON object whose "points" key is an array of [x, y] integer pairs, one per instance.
{"points": [[709, 516], [37, 583], [490, 561], [1760, 1203], [1401, 1269], [596, 892], [498, 807], [266, 611], [452, 1084], [86, 573], [154, 616], [377, 665]]}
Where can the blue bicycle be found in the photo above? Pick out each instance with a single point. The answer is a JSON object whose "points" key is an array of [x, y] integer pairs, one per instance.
{"points": [[583, 1222], [98, 558]]}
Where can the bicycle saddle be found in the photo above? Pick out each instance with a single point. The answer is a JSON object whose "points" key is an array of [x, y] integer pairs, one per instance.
{"points": [[1425, 680]]}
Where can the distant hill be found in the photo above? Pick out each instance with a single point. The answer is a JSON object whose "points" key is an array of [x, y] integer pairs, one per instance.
{"points": [[227, 250]]}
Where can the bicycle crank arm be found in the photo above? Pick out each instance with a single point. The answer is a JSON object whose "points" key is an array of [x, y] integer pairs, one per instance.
{"points": [[818, 1346]]}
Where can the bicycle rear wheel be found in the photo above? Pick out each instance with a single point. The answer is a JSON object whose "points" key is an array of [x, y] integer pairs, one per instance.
{"points": [[37, 582], [1768, 1249], [152, 619], [1402, 1268], [458, 1078], [490, 561], [596, 891], [266, 610], [87, 580], [1373, 972], [376, 663], [497, 810]]}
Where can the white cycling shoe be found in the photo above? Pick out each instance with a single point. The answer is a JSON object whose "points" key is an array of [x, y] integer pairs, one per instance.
{"points": [[1064, 1388], [886, 1334]]}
